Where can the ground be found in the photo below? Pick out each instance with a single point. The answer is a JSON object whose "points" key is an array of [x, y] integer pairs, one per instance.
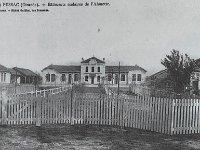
{"points": [[91, 137]]}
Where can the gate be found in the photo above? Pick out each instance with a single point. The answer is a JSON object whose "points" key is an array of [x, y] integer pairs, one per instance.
{"points": [[46, 106]]}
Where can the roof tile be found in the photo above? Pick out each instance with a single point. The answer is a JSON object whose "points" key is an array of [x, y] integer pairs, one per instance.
{"points": [[123, 68], [64, 69], [25, 72]]}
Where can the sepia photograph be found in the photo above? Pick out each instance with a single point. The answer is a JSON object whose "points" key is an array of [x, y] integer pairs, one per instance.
{"points": [[99, 75]]}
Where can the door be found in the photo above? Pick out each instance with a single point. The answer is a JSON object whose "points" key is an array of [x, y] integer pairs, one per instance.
{"points": [[92, 80], [116, 79]]}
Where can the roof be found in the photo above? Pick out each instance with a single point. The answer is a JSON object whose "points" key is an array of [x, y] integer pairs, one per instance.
{"points": [[13, 72], [123, 68], [64, 69], [25, 72], [159, 72], [88, 60], [3, 68]]}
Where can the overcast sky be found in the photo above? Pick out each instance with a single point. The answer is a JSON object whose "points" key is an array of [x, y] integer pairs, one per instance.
{"points": [[138, 32]]}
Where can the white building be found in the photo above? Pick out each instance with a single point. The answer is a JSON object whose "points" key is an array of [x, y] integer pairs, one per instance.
{"points": [[92, 71], [5, 75]]}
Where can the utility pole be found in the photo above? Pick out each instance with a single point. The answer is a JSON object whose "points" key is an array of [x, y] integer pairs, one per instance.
{"points": [[36, 82], [16, 80], [118, 79], [112, 76]]}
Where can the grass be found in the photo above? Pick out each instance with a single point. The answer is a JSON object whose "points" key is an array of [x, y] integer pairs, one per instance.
{"points": [[91, 137], [84, 89]]}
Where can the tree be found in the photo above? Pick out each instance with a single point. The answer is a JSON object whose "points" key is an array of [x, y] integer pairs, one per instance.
{"points": [[179, 67]]}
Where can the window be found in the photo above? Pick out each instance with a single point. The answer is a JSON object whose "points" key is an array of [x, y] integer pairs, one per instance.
{"points": [[63, 78], [69, 78], [99, 69], [98, 78], [2, 77], [139, 77], [92, 69], [53, 77], [133, 77], [86, 69], [47, 77], [123, 77], [86, 78], [76, 77], [109, 77]]}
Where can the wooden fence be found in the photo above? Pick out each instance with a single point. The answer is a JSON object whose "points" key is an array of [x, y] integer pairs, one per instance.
{"points": [[127, 111], [185, 116], [164, 115], [22, 88]]}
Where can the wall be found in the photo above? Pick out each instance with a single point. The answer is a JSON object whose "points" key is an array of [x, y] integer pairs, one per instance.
{"points": [[128, 77], [143, 76], [50, 71], [7, 79], [58, 80], [113, 78]]}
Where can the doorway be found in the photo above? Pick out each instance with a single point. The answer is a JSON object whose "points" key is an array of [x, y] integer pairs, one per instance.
{"points": [[92, 80]]}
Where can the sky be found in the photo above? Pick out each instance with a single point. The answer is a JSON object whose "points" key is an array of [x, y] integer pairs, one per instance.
{"points": [[133, 32]]}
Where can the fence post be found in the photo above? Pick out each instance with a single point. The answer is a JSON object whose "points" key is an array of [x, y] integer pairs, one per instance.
{"points": [[172, 116], [4, 105], [72, 106], [38, 111]]}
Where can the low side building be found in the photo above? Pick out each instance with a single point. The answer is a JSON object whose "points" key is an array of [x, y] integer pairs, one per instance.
{"points": [[24, 76], [54, 75], [159, 80]]}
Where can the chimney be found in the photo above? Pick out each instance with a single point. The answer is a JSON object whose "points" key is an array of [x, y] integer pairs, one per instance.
{"points": [[104, 59], [82, 59]]}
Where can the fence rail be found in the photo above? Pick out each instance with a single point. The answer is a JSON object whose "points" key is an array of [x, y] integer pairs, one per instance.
{"points": [[43, 93], [164, 115], [16, 89]]}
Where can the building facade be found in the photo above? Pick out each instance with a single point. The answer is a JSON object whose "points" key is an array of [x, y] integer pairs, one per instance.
{"points": [[92, 71], [5, 75]]}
